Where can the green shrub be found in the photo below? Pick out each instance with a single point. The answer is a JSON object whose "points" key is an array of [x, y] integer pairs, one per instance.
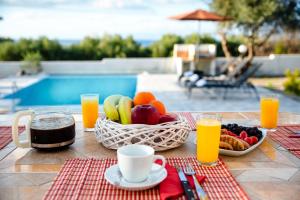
{"points": [[292, 84], [107, 46], [31, 63], [4, 39], [279, 48], [270, 86]]}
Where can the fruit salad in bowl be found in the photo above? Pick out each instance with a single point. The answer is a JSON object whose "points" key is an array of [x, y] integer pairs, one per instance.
{"points": [[141, 120]]}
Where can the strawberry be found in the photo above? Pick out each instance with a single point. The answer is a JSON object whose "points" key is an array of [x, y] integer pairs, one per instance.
{"points": [[248, 140], [227, 132], [254, 139], [243, 134], [231, 133]]}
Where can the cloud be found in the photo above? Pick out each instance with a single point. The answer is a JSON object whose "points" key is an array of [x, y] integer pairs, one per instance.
{"points": [[137, 3], [119, 4], [37, 3], [105, 4], [78, 18]]}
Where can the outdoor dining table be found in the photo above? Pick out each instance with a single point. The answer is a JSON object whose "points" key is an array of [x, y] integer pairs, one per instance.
{"points": [[269, 172]]}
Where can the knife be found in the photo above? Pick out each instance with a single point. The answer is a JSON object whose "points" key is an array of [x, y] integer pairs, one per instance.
{"points": [[294, 136], [186, 186]]}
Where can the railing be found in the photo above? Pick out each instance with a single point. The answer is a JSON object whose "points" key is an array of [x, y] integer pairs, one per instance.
{"points": [[10, 89]]}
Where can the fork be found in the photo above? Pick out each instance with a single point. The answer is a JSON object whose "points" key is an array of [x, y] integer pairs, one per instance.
{"points": [[296, 133], [188, 170]]}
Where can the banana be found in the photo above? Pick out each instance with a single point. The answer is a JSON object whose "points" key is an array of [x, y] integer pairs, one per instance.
{"points": [[124, 108], [110, 107]]}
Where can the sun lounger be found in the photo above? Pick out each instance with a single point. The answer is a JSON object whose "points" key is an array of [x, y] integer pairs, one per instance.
{"points": [[232, 82], [192, 76]]}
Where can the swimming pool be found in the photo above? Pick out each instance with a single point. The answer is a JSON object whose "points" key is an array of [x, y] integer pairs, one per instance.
{"points": [[66, 90]]}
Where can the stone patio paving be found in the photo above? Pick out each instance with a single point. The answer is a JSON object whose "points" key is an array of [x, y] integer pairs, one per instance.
{"points": [[166, 88]]}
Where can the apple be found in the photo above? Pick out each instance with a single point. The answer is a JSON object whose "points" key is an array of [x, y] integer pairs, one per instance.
{"points": [[145, 114], [169, 117]]}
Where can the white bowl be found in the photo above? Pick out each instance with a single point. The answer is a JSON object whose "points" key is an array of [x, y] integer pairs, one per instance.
{"points": [[240, 153]]}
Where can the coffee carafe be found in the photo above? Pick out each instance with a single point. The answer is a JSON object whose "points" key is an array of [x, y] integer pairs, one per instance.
{"points": [[45, 130]]}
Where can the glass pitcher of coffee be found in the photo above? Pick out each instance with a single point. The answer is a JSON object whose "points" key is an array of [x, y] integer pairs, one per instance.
{"points": [[45, 130]]}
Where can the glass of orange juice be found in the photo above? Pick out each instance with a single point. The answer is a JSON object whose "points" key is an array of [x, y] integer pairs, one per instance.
{"points": [[269, 107], [208, 138], [90, 109]]}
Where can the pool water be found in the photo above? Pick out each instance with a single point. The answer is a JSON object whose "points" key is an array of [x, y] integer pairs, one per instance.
{"points": [[66, 90]]}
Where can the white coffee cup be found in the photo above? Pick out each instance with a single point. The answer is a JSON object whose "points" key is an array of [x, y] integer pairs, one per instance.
{"points": [[135, 162]]}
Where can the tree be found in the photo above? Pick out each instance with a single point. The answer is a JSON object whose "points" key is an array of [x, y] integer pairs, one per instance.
{"points": [[130, 47], [164, 46], [89, 48], [195, 38], [112, 46], [259, 19], [49, 49], [9, 51]]}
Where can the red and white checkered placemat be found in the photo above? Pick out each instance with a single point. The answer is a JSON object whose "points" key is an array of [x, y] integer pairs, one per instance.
{"points": [[296, 153], [190, 119], [84, 179], [5, 135], [281, 135]]}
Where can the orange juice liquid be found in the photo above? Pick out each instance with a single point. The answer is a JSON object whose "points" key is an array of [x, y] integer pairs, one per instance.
{"points": [[208, 140], [269, 112], [89, 111]]}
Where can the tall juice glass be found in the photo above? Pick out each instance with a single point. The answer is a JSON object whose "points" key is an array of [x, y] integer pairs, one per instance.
{"points": [[269, 107], [208, 138], [90, 110]]}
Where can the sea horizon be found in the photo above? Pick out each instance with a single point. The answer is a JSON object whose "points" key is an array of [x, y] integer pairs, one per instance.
{"points": [[68, 42]]}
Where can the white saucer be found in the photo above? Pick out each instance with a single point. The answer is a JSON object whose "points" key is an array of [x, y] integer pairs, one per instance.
{"points": [[114, 177]]}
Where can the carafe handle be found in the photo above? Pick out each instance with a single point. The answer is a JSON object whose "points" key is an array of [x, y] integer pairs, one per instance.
{"points": [[15, 135]]}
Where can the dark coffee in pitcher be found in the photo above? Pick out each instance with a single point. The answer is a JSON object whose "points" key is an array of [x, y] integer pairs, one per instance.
{"points": [[52, 131]]}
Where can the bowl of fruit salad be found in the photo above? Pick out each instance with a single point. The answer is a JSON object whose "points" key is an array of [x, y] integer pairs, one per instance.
{"points": [[239, 140]]}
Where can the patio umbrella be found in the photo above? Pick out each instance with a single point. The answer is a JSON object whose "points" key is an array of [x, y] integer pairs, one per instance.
{"points": [[200, 15]]}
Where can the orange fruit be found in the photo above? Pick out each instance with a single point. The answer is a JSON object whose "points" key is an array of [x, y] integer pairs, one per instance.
{"points": [[160, 107], [142, 98]]}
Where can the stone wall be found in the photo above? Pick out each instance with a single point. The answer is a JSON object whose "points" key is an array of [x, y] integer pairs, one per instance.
{"points": [[271, 67], [275, 65], [105, 66]]}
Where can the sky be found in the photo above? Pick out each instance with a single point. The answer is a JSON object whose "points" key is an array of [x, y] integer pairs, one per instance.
{"points": [[75, 19]]}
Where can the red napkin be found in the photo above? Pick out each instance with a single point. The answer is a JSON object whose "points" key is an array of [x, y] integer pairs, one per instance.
{"points": [[171, 187]]}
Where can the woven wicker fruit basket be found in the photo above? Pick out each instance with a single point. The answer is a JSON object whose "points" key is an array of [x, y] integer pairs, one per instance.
{"points": [[161, 136]]}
